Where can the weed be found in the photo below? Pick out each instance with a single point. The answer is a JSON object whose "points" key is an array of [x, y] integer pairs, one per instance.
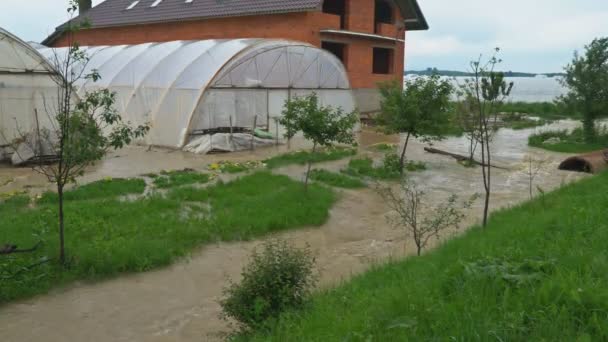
{"points": [[302, 157], [170, 179], [106, 188], [336, 179]]}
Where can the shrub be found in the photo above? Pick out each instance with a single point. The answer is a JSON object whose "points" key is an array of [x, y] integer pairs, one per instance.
{"points": [[365, 168], [278, 278]]}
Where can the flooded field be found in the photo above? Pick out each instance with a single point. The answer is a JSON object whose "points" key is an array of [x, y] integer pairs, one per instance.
{"points": [[179, 303]]}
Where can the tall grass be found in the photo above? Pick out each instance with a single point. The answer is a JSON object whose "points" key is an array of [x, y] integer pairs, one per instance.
{"points": [[569, 141], [537, 273], [105, 236], [302, 157]]}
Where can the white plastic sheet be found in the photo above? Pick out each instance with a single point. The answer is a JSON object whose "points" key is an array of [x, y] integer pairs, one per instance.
{"points": [[182, 86]]}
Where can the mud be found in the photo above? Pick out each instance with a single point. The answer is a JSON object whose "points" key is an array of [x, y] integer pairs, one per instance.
{"points": [[179, 303]]}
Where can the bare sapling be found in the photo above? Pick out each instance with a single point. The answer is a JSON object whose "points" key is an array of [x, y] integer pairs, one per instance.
{"points": [[533, 168], [484, 92], [413, 214]]}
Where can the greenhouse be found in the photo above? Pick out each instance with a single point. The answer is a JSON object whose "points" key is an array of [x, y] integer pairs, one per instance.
{"points": [[183, 89], [26, 87]]}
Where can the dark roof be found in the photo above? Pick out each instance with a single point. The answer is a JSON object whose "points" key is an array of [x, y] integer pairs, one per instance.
{"points": [[114, 12]]}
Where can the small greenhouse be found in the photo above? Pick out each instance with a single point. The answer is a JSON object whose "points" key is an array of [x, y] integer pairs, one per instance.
{"points": [[183, 89]]}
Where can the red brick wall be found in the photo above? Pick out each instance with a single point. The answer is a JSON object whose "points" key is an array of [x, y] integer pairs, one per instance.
{"points": [[304, 26]]}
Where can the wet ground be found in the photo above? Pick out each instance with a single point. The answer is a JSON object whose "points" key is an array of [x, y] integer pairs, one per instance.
{"points": [[179, 303]]}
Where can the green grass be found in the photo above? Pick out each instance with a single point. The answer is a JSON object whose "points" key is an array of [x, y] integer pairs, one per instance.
{"points": [[521, 121], [234, 167], [336, 179], [543, 110], [302, 157], [170, 179], [106, 237], [414, 166], [571, 141], [364, 167], [101, 189], [384, 147], [538, 272]]}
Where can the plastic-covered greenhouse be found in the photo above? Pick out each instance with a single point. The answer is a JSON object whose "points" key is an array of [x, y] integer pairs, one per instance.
{"points": [[183, 89], [26, 85]]}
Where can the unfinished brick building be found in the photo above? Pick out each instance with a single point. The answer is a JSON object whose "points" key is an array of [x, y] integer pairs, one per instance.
{"points": [[368, 36]]}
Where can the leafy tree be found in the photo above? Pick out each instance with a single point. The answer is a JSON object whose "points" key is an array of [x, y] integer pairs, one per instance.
{"points": [[82, 130], [587, 82], [323, 125], [483, 95], [421, 110]]}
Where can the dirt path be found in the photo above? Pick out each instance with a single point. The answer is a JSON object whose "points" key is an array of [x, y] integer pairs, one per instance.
{"points": [[179, 303]]}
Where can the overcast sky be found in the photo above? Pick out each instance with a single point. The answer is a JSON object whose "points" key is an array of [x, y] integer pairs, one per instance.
{"points": [[535, 35]]}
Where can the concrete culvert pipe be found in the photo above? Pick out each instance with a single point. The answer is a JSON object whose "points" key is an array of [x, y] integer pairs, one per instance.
{"points": [[594, 162]]}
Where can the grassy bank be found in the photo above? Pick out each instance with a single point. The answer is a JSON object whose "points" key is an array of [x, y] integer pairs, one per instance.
{"points": [[568, 141], [106, 236], [302, 157], [537, 273], [543, 110]]}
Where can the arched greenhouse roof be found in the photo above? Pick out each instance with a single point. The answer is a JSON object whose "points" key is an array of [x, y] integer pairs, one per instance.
{"points": [[163, 83], [19, 57]]}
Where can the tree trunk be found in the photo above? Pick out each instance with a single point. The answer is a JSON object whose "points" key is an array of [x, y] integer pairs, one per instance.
{"points": [[314, 149], [589, 128], [61, 226], [486, 174], [402, 159]]}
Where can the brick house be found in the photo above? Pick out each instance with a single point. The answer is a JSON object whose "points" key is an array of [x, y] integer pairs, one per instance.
{"points": [[368, 36]]}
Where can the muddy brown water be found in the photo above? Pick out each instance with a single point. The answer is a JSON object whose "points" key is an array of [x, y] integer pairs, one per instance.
{"points": [[179, 303]]}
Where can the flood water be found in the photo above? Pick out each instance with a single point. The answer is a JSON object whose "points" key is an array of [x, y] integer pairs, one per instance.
{"points": [[179, 303]]}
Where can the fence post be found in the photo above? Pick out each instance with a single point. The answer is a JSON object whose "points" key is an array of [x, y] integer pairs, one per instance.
{"points": [[255, 123]]}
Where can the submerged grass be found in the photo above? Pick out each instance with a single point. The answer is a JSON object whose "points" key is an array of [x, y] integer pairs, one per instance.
{"points": [[569, 141], [364, 167], [336, 179], [538, 272], [105, 236], [302, 157], [170, 179], [105, 188]]}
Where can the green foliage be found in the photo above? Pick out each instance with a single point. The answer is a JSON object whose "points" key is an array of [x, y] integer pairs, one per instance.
{"points": [[170, 179], [110, 236], [545, 110], [520, 121], [364, 167], [421, 109], [538, 273], [323, 125], [335, 179], [587, 83], [414, 166], [570, 141], [105, 188], [303, 157], [234, 167], [384, 147], [278, 278]]}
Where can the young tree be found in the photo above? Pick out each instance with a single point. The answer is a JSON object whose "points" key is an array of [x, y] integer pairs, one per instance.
{"points": [[420, 110], [407, 203], [587, 83], [483, 94], [83, 128], [323, 125], [533, 168]]}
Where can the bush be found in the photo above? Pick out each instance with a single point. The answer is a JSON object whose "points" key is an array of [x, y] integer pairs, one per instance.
{"points": [[278, 278], [365, 168]]}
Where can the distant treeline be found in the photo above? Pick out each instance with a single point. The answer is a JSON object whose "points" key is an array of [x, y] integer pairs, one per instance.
{"points": [[452, 73]]}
